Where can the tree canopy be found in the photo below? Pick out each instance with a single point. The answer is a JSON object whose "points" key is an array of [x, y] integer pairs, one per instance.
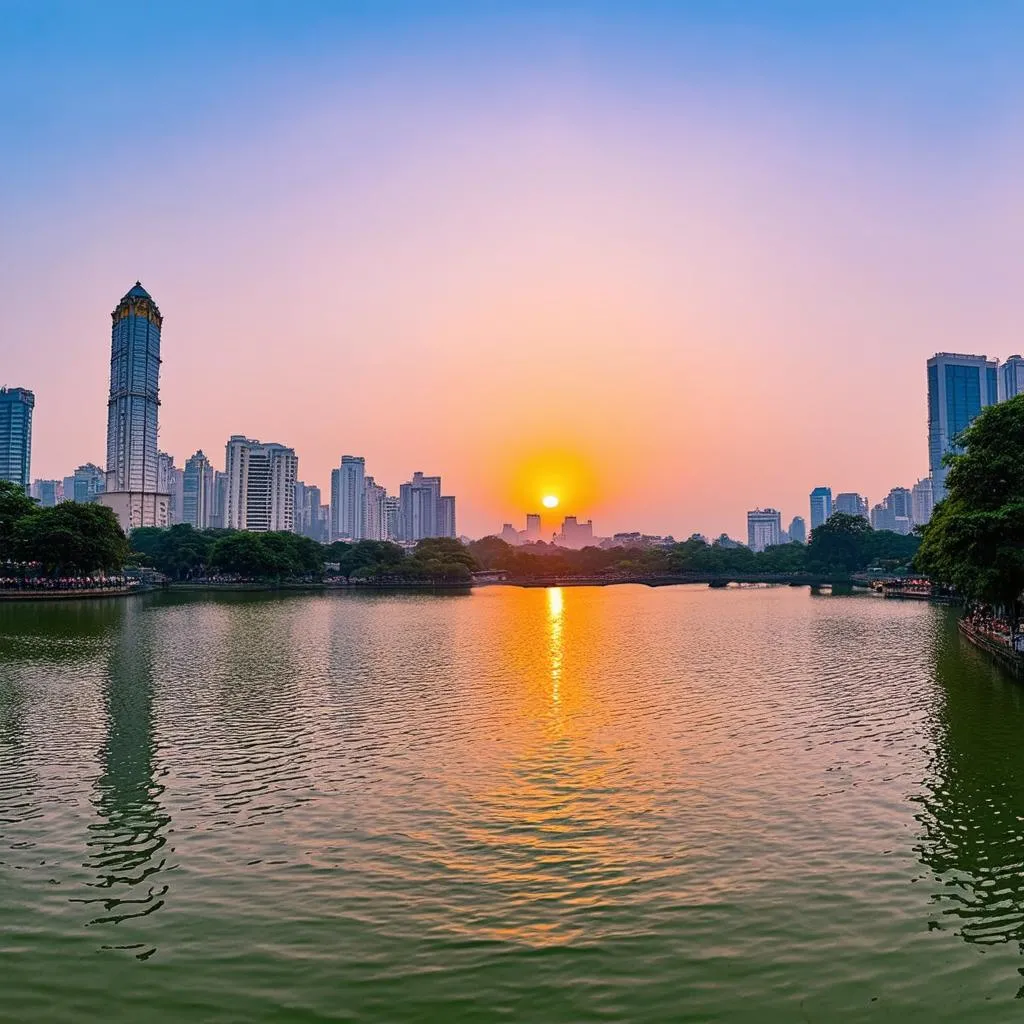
{"points": [[975, 539], [72, 538]]}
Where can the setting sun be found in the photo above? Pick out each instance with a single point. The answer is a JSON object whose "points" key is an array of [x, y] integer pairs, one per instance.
{"points": [[549, 501]]}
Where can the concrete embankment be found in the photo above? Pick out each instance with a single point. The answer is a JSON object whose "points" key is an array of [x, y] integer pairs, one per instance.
{"points": [[69, 595]]}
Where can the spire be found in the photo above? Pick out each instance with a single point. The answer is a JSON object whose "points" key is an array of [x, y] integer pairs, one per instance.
{"points": [[138, 292]]}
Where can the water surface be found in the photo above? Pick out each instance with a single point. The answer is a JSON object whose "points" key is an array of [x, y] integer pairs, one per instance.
{"points": [[611, 803]]}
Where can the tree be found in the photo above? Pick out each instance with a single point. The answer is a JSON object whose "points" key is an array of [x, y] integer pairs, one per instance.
{"points": [[840, 544], [975, 538], [15, 505], [73, 538]]}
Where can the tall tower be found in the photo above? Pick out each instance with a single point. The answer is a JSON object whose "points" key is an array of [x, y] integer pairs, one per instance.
{"points": [[132, 485]]}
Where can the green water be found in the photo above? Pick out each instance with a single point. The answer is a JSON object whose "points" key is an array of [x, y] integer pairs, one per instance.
{"points": [[582, 804]]}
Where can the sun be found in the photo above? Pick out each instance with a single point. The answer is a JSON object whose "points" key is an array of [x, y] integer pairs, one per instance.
{"points": [[549, 501]]}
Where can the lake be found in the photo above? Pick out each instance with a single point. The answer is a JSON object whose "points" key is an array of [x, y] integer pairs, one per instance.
{"points": [[620, 803]]}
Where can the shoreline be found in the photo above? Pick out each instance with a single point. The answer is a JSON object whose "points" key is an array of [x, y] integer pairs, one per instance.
{"points": [[86, 594]]}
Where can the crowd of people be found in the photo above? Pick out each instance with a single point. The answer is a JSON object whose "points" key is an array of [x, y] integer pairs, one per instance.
{"points": [[46, 583], [984, 621]]}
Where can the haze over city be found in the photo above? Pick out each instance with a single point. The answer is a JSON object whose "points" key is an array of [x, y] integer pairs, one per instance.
{"points": [[667, 265]]}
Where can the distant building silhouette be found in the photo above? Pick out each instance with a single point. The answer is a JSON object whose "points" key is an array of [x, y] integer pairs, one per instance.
{"points": [[850, 503], [797, 531]]}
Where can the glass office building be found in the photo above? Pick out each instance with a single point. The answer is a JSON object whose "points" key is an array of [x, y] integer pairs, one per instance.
{"points": [[16, 405], [959, 387], [134, 393]]}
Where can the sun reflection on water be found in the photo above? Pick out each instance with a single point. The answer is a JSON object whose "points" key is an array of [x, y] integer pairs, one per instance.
{"points": [[556, 606]]}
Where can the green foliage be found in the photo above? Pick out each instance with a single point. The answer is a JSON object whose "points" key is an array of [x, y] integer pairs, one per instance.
{"points": [[841, 544], [846, 544], [72, 538], [975, 539], [15, 505]]}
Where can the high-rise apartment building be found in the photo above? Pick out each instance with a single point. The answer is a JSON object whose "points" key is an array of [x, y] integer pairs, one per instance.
{"points": [[852, 504], [16, 405], [260, 485], [419, 502], [47, 492], [132, 485], [764, 528], [197, 491], [348, 499], [446, 517], [821, 506], [375, 526], [219, 500], [797, 531], [959, 387], [921, 502], [307, 513], [392, 517], [1011, 378]]}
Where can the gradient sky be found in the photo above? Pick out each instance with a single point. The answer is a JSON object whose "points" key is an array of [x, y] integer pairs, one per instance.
{"points": [[669, 260]]}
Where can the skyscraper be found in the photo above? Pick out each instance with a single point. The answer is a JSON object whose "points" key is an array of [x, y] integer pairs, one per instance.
{"points": [[47, 492], [852, 504], [260, 485], [16, 405], [392, 517], [420, 500], [197, 491], [375, 526], [821, 506], [959, 387], [87, 484], [132, 489], [798, 531], [348, 499], [921, 501], [1011, 378], [446, 517], [764, 528]]}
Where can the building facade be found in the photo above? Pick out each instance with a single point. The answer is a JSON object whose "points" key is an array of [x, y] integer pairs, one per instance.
{"points": [[959, 387], [47, 492], [260, 485], [87, 484], [197, 491], [348, 499], [446, 510], [764, 528], [921, 501], [375, 525], [852, 504], [575, 534], [419, 503], [16, 405], [821, 506]]}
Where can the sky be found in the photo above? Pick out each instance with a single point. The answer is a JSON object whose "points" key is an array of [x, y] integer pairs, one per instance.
{"points": [[669, 261]]}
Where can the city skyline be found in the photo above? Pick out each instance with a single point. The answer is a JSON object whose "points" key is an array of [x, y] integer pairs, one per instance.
{"points": [[527, 273]]}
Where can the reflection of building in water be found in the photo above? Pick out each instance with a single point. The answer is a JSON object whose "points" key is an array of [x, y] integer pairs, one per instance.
{"points": [[126, 844], [973, 800]]}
